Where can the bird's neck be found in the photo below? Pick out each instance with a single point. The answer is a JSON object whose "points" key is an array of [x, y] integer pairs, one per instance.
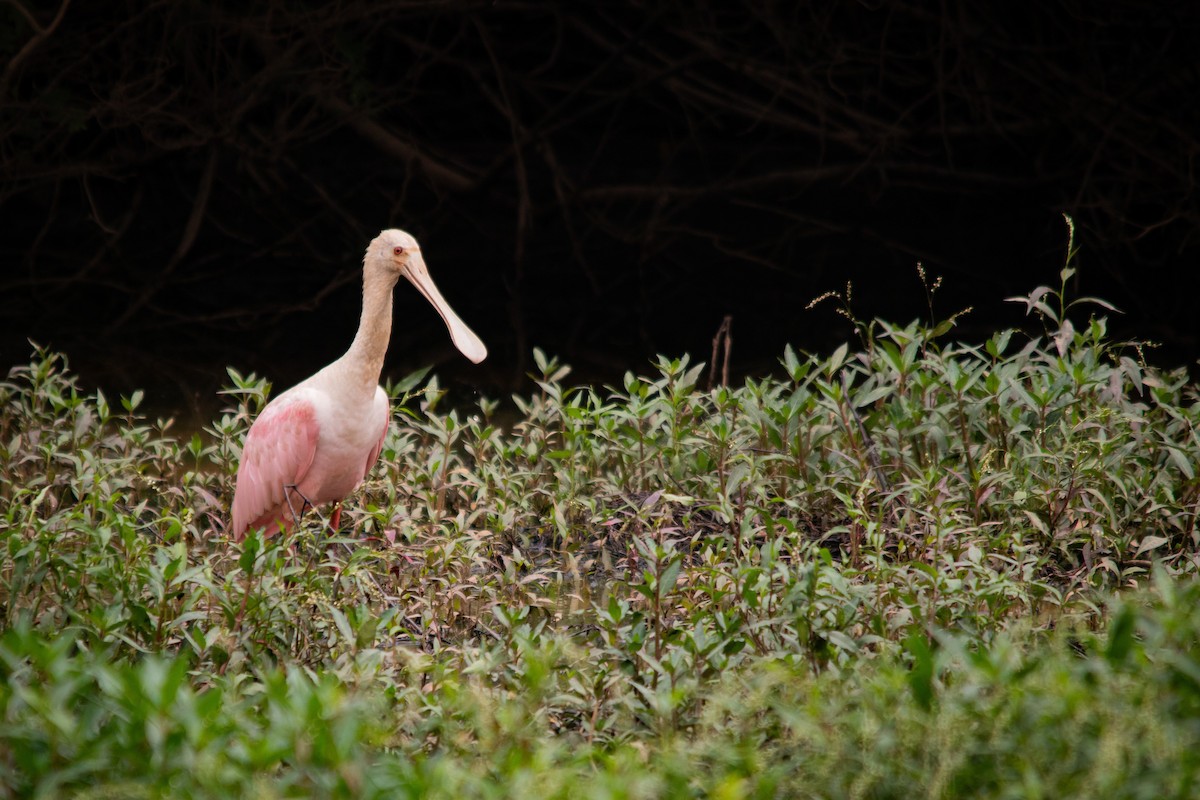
{"points": [[364, 359]]}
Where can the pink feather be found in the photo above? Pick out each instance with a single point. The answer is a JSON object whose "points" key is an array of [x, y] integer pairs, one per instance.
{"points": [[279, 451]]}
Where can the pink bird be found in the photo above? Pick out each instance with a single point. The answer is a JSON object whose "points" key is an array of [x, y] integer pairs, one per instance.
{"points": [[315, 443]]}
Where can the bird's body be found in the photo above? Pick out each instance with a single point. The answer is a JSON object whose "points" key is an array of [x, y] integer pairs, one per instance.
{"points": [[315, 443]]}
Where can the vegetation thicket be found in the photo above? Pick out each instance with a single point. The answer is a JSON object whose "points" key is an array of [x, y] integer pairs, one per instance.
{"points": [[908, 569]]}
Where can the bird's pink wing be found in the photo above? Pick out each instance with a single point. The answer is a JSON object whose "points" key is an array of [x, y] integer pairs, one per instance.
{"points": [[278, 453]]}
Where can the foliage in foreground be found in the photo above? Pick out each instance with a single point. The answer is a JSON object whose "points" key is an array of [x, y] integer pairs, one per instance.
{"points": [[1109, 716], [889, 573]]}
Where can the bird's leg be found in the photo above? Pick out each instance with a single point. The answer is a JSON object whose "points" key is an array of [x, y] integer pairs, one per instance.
{"points": [[288, 489], [335, 520]]}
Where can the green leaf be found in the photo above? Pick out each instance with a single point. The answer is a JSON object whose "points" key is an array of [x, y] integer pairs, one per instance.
{"points": [[343, 625], [1181, 460], [670, 575], [920, 675], [1151, 543], [251, 546], [837, 359], [1121, 635]]}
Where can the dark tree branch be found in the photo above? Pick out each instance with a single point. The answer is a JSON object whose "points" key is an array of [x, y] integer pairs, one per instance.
{"points": [[40, 34]]}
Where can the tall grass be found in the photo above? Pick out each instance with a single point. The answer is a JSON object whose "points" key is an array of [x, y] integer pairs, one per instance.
{"points": [[909, 568]]}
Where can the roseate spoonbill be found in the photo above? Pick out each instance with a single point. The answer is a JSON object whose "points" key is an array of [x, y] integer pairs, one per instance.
{"points": [[315, 443]]}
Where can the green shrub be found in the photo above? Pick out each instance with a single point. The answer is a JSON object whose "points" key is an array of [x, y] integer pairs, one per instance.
{"points": [[914, 569]]}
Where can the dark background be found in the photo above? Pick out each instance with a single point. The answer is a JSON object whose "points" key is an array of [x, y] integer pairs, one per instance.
{"points": [[189, 185]]}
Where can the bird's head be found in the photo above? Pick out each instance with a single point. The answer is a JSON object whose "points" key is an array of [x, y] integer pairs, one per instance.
{"points": [[398, 252]]}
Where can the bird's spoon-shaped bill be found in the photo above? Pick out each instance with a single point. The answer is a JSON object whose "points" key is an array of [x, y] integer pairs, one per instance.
{"points": [[463, 337]]}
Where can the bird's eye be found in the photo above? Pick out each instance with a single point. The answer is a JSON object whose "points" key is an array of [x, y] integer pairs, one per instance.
{"points": [[397, 251]]}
